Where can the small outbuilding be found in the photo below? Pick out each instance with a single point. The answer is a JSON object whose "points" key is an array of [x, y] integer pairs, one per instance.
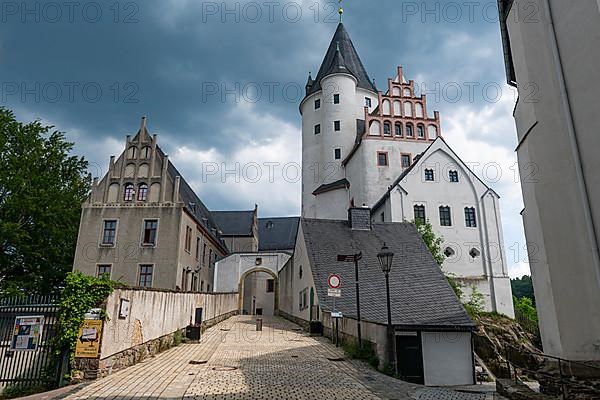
{"points": [[432, 332]]}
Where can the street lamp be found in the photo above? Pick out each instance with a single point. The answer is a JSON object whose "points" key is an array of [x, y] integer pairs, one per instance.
{"points": [[385, 257]]}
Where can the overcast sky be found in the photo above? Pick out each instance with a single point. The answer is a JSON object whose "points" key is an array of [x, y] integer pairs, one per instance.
{"points": [[221, 82]]}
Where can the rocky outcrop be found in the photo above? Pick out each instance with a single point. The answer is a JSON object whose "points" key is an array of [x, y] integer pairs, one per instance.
{"points": [[518, 391], [498, 337]]}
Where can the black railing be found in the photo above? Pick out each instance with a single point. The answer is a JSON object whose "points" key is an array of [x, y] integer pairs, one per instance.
{"points": [[28, 367], [565, 381]]}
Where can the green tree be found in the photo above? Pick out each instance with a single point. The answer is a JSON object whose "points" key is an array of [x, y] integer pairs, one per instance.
{"points": [[42, 187], [523, 287], [526, 308]]}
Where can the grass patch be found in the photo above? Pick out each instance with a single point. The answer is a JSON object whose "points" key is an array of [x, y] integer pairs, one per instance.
{"points": [[366, 352]]}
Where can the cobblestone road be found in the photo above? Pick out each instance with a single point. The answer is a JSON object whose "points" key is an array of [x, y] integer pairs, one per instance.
{"points": [[233, 361]]}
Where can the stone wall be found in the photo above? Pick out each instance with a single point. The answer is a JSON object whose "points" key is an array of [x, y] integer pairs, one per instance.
{"points": [[156, 321]]}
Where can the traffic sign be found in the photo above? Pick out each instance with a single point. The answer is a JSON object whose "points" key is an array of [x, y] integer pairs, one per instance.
{"points": [[334, 292], [334, 281], [337, 314]]}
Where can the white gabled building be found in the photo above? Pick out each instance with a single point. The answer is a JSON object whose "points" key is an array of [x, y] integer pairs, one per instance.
{"points": [[439, 187], [359, 147]]}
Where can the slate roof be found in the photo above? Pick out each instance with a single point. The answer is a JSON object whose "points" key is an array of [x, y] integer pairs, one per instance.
{"points": [[420, 294], [347, 61], [234, 223], [193, 203], [277, 234]]}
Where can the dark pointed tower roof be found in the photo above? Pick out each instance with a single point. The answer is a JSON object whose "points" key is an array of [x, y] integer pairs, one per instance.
{"points": [[341, 57]]}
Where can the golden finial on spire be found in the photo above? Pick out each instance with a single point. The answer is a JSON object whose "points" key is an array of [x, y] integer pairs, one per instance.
{"points": [[341, 10]]}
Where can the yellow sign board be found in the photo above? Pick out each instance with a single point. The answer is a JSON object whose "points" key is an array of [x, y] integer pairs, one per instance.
{"points": [[88, 341]]}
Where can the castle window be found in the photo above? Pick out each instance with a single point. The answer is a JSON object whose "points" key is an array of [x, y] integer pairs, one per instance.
{"points": [[445, 218], [317, 104], [429, 175], [368, 102], [398, 129], [109, 232], [270, 285], [146, 275], [407, 92], [143, 192], [382, 158], [198, 240], [474, 253], [386, 107], [470, 220], [405, 159], [204, 254], [129, 192], [317, 129], [420, 131], [103, 269], [419, 211], [188, 239], [419, 110], [387, 129], [453, 176], [337, 126], [146, 152], [449, 252], [336, 99], [409, 130], [337, 154], [408, 109], [150, 228]]}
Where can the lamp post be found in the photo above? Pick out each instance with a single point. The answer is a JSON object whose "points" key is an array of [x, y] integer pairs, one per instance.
{"points": [[385, 257], [354, 258]]}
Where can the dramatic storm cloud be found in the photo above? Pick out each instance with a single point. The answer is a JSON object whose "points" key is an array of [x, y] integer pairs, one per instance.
{"points": [[221, 83]]}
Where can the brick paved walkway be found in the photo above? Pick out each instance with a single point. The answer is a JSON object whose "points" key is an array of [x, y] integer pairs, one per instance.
{"points": [[280, 362]]}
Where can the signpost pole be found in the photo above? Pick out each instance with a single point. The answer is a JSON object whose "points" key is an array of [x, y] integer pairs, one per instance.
{"points": [[356, 258]]}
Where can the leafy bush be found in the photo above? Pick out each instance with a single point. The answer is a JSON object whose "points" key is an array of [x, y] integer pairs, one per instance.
{"points": [[81, 293], [476, 303]]}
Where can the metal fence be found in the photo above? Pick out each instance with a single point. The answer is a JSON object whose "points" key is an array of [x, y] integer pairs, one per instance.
{"points": [[28, 367]]}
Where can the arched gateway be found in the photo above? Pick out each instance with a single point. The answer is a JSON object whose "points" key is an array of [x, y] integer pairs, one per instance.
{"points": [[258, 292]]}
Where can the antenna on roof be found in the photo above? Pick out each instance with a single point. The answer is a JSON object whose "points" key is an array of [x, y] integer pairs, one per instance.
{"points": [[143, 125], [340, 11]]}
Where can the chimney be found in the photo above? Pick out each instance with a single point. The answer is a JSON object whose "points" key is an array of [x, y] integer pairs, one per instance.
{"points": [[359, 218]]}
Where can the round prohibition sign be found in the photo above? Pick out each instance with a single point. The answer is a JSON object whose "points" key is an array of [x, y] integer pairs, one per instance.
{"points": [[334, 281]]}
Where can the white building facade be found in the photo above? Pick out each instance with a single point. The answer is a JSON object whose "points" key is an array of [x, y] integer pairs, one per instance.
{"points": [[358, 147]]}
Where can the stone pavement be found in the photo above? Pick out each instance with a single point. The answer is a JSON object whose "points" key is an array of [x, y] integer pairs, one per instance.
{"points": [[233, 361]]}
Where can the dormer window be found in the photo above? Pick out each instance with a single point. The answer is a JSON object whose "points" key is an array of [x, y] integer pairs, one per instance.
{"points": [[129, 193]]}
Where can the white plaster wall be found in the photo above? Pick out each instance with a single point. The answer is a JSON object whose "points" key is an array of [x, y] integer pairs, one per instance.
{"points": [[447, 358], [255, 288], [487, 272], [229, 270], [562, 251], [318, 163], [154, 314]]}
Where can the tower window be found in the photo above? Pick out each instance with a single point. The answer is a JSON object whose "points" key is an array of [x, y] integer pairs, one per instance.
{"points": [[398, 129], [317, 129], [337, 126], [405, 160], [474, 253], [470, 220], [317, 104], [409, 130], [420, 131], [445, 218], [429, 175], [368, 102], [449, 252], [336, 99], [382, 159], [453, 175], [420, 214], [337, 154], [387, 129]]}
